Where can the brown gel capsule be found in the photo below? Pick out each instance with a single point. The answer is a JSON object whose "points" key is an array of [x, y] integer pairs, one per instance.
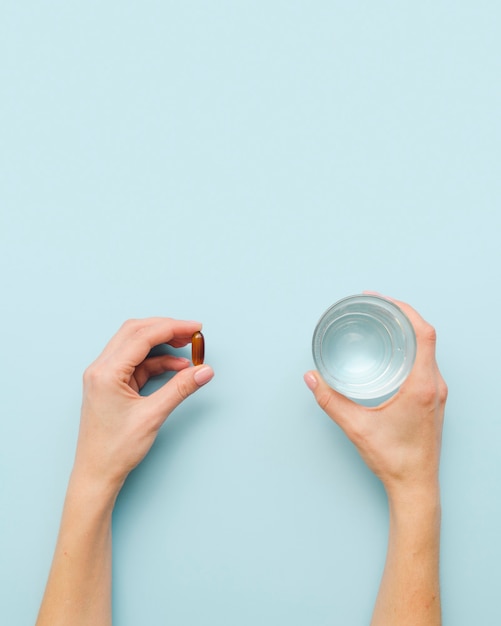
{"points": [[197, 348]]}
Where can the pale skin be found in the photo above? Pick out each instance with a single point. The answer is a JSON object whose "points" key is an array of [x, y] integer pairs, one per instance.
{"points": [[117, 428], [399, 441]]}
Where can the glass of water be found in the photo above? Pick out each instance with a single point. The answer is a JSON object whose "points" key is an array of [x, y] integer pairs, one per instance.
{"points": [[364, 347]]}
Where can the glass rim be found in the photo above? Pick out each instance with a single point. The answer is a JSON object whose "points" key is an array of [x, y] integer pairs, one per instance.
{"points": [[393, 383]]}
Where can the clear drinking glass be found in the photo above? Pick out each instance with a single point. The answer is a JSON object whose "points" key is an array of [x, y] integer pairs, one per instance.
{"points": [[364, 346]]}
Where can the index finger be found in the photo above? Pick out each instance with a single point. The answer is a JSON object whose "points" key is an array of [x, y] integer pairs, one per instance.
{"points": [[134, 340]]}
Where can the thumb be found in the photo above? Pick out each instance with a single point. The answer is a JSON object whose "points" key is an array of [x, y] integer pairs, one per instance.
{"points": [[339, 408], [182, 385]]}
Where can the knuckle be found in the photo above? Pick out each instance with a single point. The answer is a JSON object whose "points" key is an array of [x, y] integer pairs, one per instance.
{"points": [[89, 375], [140, 331], [183, 389], [431, 392], [324, 400], [443, 391], [95, 375], [86, 377], [131, 324], [428, 393], [429, 334]]}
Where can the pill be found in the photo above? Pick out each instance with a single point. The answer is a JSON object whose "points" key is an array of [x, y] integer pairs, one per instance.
{"points": [[197, 348]]}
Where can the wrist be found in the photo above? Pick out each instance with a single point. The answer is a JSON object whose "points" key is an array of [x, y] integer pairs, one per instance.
{"points": [[95, 493], [415, 506], [411, 492]]}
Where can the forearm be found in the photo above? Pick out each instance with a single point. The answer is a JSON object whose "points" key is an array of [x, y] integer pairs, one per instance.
{"points": [[78, 590], [409, 594]]}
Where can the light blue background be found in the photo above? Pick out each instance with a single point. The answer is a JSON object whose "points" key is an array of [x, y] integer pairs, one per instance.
{"points": [[247, 164]]}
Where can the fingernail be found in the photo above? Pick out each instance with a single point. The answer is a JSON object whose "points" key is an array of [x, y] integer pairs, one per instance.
{"points": [[203, 374], [310, 380]]}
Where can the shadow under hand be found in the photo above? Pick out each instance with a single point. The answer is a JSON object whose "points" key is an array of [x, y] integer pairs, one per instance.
{"points": [[146, 479]]}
